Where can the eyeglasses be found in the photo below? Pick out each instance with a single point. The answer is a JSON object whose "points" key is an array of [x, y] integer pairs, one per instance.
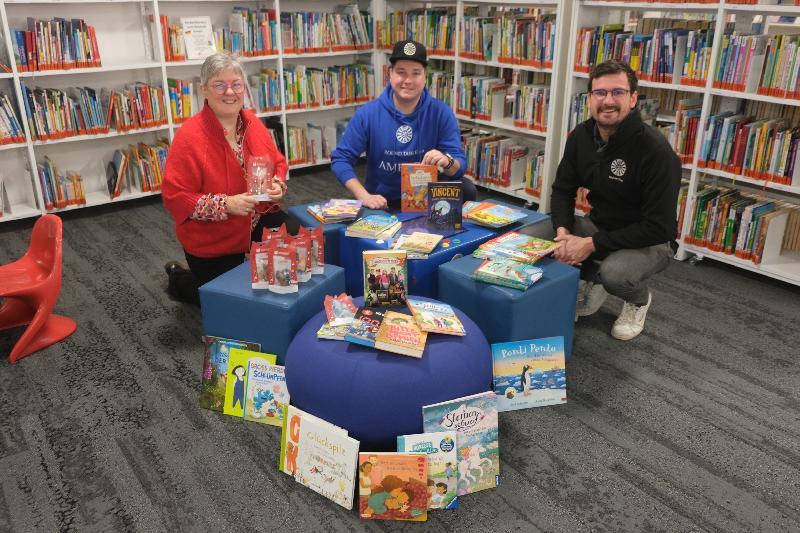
{"points": [[615, 93], [220, 87]]}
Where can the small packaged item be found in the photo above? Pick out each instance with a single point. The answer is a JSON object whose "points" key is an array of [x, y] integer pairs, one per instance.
{"points": [[302, 246], [260, 170], [317, 248], [340, 309], [283, 269], [259, 265]]}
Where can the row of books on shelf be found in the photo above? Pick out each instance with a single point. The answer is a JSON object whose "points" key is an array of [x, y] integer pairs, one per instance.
{"points": [[11, 130], [763, 64], [140, 166], [678, 51], [515, 36], [731, 222], [55, 44], [312, 32], [60, 189], [756, 148], [434, 28], [313, 143], [504, 161], [280, 262]]}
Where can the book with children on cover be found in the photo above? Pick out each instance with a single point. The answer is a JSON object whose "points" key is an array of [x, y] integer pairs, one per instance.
{"points": [[393, 486], [215, 369], [529, 373], [435, 317], [442, 465], [385, 278], [364, 327], [474, 419]]}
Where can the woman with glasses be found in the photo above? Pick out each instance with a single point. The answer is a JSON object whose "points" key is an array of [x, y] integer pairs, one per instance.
{"points": [[205, 182]]}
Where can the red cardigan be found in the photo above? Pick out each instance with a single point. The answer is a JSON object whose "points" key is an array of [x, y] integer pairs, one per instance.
{"points": [[201, 161]]}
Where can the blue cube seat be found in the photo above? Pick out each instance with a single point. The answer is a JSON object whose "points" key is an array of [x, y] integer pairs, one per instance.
{"points": [[232, 309]]}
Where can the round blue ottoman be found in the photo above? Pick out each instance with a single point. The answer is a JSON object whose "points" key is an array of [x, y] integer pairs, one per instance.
{"points": [[378, 395]]}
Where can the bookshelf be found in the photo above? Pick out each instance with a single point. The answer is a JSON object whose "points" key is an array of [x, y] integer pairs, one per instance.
{"points": [[131, 51], [721, 19]]}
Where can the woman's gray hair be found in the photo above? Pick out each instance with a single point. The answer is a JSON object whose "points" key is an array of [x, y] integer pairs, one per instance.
{"points": [[216, 63]]}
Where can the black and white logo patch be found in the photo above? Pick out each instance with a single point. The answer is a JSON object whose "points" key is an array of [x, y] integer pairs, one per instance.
{"points": [[404, 133], [409, 49], [618, 167]]}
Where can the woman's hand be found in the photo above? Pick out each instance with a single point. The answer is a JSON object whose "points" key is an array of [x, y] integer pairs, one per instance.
{"points": [[278, 190], [241, 204]]}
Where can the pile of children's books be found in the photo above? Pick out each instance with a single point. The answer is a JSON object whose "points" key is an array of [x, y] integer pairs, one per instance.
{"points": [[280, 261], [509, 260], [377, 226], [491, 215], [335, 211], [417, 244]]}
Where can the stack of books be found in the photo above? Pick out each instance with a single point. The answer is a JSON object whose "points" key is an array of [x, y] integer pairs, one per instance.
{"points": [[335, 211], [507, 273], [417, 244], [491, 215], [516, 246], [374, 227]]}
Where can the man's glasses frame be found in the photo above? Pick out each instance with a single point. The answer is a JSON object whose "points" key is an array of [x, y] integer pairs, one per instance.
{"points": [[615, 93]]}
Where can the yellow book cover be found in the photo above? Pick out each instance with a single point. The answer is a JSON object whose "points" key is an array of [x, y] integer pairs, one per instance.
{"points": [[399, 333], [236, 382]]}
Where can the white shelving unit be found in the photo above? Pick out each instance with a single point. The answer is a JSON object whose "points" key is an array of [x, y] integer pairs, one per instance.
{"points": [[131, 50], [597, 12]]}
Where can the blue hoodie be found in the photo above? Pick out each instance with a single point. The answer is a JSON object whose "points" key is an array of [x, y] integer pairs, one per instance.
{"points": [[390, 138]]}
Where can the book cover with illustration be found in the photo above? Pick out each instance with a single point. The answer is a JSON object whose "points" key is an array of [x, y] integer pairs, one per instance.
{"points": [[371, 226], [529, 373], [393, 486], [414, 180], [327, 461], [419, 242], [266, 393], [508, 273], [516, 246], [293, 437], [444, 204], [215, 369], [236, 382], [385, 278], [493, 215], [474, 419], [399, 333], [435, 317], [442, 465], [333, 333], [364, 327]]}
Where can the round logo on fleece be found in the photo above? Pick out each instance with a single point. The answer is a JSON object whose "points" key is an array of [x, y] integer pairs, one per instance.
{"points": [[404, 133], [618, 167], [409, 49]]}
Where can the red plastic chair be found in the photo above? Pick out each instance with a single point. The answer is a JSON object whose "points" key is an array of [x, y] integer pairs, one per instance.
{"points": [[30, 287]]}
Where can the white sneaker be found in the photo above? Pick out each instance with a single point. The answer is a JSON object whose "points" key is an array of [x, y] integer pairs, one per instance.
{"points": [[630, 321], [593, 297]]}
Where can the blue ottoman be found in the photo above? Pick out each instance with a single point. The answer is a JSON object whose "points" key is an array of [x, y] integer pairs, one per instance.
{"points": [[378, 395], [422, 273], [547, 309], [232, 309]]}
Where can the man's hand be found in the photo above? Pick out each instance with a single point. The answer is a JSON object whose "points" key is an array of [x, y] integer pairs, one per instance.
{"points": [[373, 201], [559, 252], [435, 157], [241, 204], [574, 250]]}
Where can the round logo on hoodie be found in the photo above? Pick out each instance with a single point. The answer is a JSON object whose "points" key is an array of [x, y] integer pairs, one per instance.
{"points": [[618, 167], [404, 133]]}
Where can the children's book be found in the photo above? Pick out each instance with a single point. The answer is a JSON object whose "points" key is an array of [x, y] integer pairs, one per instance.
{"points": [[236, 382], [215, 369], [340, 210], [508, 273], [529, 373], [385, 275], [516, 246], [293, 438], [374, 226], [444, 204], [414, 180], [418, 242], [327, 461], [398, 244], [399, 333], [442, 465], [494, 215], [420, 223], [474, 419], [334, 333], [339, 310], [435, 317], [393, 486], [198, 37], [266, 394], [364, 327]]}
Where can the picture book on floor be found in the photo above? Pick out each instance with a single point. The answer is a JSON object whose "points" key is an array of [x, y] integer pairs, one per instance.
{"points": [[414, 180], [339, 309], [393, 486], [215, 369], [267, 394], [435, 317], [236, 383], [399, 333], [442, 465], [364, 327], [444, 204], [319, 455], [385, 278], [474, 419], [529, 373]]}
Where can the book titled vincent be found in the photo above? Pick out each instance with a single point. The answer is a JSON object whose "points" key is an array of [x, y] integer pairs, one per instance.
{"points": [[474, 419], [529, 373], [414, 182], [444, 204], [215, 369]]}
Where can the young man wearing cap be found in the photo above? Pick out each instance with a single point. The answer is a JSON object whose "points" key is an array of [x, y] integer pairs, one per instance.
{"points": [[404, 125]]}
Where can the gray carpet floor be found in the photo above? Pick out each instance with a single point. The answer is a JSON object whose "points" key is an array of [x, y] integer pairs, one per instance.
{"points": [[693, 426]]}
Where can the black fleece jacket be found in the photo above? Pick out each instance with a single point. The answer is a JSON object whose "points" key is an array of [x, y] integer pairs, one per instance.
{"points": [[633, 185]]}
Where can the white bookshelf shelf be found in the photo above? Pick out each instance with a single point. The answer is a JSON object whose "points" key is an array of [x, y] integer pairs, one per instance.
{"points": [[20, 211], [323, 108], [12, 146], [788, 271], [99, 136], [317, 163], [92, 70], [531, 3], [328, 54], [763, 9], [655, 84], [6, 75], [263, 114], [134, 195], [651, 6], [744, 179], [504, 65], [508, 126], [755, 96]]}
